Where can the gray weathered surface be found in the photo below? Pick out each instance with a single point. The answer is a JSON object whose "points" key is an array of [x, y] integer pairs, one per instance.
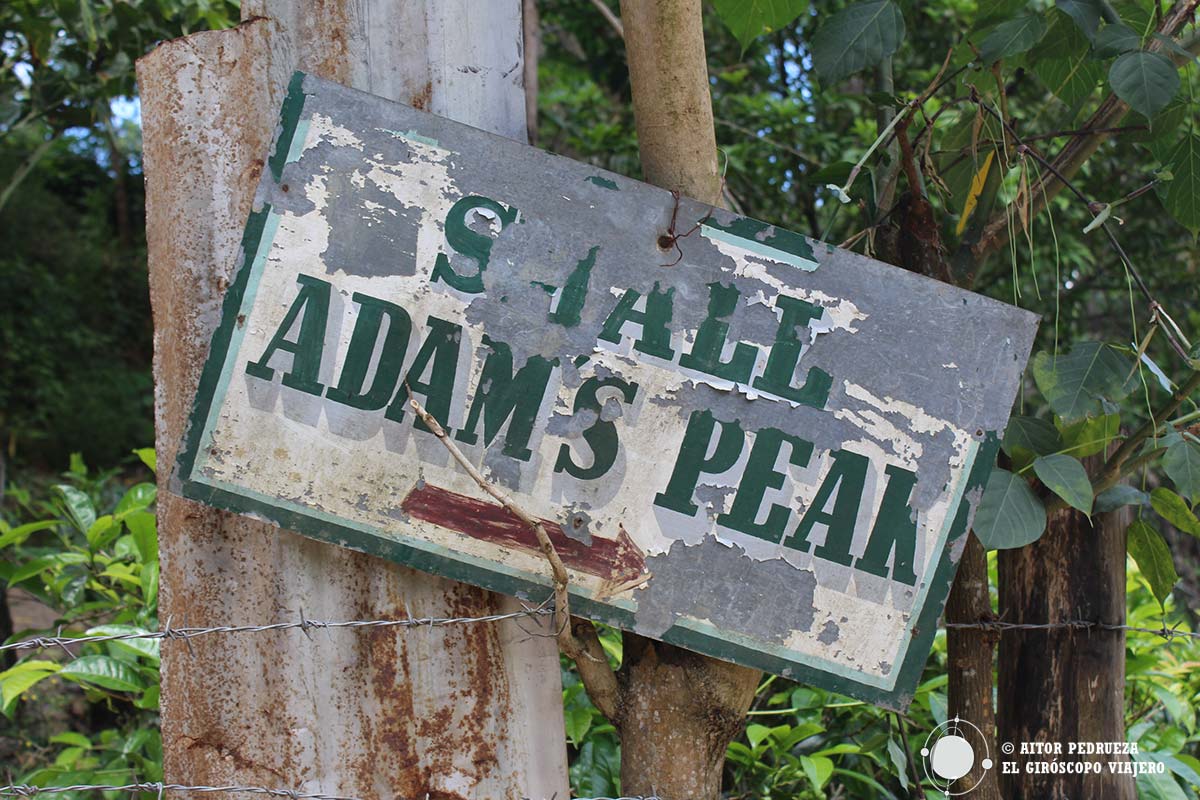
{"points": [[459, 712], [923, 376]]}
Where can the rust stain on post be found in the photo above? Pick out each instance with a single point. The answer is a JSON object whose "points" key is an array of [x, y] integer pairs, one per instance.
{"points": [[450, 712]]}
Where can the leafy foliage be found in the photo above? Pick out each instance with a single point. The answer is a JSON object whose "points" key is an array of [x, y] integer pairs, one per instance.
{"points": [[1146, 81], [858, 36], [749, 19], [90, 553], [1009, 515]]}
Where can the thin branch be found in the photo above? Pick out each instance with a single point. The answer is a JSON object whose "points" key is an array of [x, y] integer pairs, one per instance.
{"points": [[612, 19], [1077, 151], [588, 654]]}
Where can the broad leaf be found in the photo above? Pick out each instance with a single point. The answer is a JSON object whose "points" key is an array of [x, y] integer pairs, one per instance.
{"points": [[1112, 40], [1086, 13], [1158, 786], [1012, 37], [1181, 195], [19, 679], [105, 672], [1009, 515], [899, 762], [138, 647], [1067, 478], [137, 498], [1153, 558], [1063, 63], [1090, 435], [147, 457], [818, 769], [749, 19], [1182, 464], [1075, 383], [1174, 509], [78, 507], [859, 36], [1037, 436], [1118, 496], [1146, 81]]}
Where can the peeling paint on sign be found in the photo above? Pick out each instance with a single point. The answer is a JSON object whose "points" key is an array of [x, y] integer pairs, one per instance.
{"points": [[768, 451]]}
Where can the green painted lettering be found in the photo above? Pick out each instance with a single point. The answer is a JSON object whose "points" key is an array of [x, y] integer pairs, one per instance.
{"points": [[350, 390], [309, 344], [847, 477], [785, 354], [601, 435], [895, 529], [655, 338], [441, 349], [694, 458], [710, 340], [570, 302], [469, 242], [761, 475], [501, 395]]}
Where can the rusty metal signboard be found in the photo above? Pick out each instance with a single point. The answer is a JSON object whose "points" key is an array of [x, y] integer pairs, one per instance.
{"points": [[741, 441]]}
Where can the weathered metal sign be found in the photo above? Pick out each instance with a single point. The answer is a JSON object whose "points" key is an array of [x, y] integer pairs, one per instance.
{"points": [[741, 441]]}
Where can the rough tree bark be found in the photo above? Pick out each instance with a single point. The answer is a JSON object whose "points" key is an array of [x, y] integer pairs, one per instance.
{"points": [[1065, 685], [679, 710], [455, 712]]}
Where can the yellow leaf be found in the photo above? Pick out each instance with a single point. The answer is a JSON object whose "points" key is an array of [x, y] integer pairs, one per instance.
{"points": [[974, 192]]}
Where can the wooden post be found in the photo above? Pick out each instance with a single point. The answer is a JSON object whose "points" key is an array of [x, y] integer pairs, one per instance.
{"points": [[454, 712], [1065, 685]]}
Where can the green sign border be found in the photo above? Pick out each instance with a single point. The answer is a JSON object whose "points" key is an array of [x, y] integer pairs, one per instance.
{"points": [[689, 634]]}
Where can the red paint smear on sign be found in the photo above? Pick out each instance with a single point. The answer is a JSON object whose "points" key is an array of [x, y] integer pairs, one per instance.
{"points": [[614, 560]]}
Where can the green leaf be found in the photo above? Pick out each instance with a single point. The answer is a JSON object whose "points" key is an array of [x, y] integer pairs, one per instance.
{"points": [[139, 647], [1075, 383], [756, 734], [1174, 510], [20, 533], [1067, 478], [1009, 515], [1031, 434], [1182, 465], [1146, 81], [1086, 13], [19, 679], [577, 721], [749, 19], [78, 506], [1012, 37], [818, 769], [899, 762], [1158, 786], [1112, 40], [136, 499], [1181, 195], [1090, 435], [1153, 558], [105, 672], [72, 738], [1118, 496], [144, 528], [859, 36], [148, 457]]}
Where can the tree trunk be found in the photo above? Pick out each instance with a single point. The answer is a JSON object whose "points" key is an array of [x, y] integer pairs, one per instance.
{"points": [[454, 712], [1064, 685], [679, 709], [969, 665]]}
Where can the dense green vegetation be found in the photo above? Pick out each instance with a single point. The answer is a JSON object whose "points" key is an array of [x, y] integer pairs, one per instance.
{"points": [[801, 94]]}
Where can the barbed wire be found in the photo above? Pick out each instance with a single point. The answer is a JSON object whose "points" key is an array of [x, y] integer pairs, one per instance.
{"points": [[1075, 624], [159, 788], [187, 633]]}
